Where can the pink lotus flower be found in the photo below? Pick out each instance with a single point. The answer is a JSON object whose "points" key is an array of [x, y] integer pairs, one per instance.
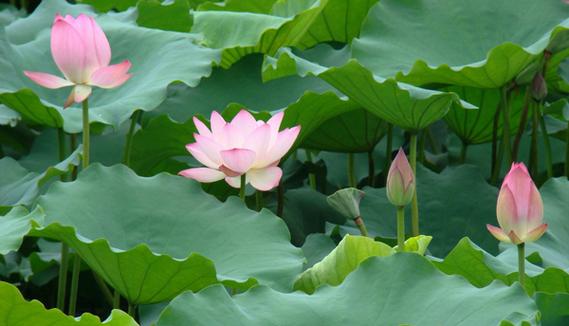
{"points": [[243, 146], [519, 208], [400, 181], [82, 53]]}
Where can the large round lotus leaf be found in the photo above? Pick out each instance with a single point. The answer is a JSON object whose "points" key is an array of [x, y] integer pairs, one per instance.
{"points": [[155, 57], [477, 126], [401, 104], [153, 238], [16, 311], [403, 289], [481, 43]]}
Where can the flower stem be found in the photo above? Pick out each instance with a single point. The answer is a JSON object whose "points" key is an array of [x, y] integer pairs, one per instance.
{"points": [[494, 163], [463, 151], [371, 168], [242, 188], [259, 200], [361, 225], [414, 203], [400, 228], [351, 173], [128, 145], [62, 280], [522, 126], [116, 300], [388, 149], [61, 148], [521, 263], [72, 147], [74, 284], [86, 138], [533, 161], [311, 175], [131, 310], [546, 144], [506, 127], [104, 288]]}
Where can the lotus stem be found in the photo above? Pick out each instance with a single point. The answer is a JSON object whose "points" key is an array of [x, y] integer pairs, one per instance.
{"points": [[546, 144], [242, 187], [116, 300], [414, 203], [533, 161], [280, 200], [61, 148], [421, 147], [62, 279], [400, 228], [104, 288], [371, 168], [361, 226], [351, 171], [128, 145], [311, 175], [521, 264], [463, 151], [259, 200], [74, 284], [73, 146], [506, 128], [388, 149], [494, 164], [522, 126], [86, 138], [131, 310], [567, 151]]}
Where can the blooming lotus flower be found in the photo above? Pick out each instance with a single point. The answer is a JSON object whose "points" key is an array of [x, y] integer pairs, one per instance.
{"points": [[82, 53], [243, 146], [400, 181], [519, 209]]}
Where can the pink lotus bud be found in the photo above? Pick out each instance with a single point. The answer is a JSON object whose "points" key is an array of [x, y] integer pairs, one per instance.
{"points": [[243, 146], [519, 208], [82, 53], [400, 181]]}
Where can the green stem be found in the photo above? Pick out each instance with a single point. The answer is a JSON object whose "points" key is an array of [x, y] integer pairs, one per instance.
{"points": [[259, 199], [533, 160], [463, 152], [74, 284], [388, 149], [61, 148], [421, 148], [506, 127], [521, 263], [311, 175], [104, 289], [280, 200], [414, 203], [242, 188], [567, 151], [351, 173], [128, 145], [73, 147], [86, 133], [62, 280], [546, 144], [401, 228], [116, 300], [371, 168], [494, 162], [131, 310], [522, 126], [361, 225]]}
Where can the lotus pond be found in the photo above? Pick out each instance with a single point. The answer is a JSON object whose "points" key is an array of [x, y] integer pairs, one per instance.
{"points": [[284, 162]]}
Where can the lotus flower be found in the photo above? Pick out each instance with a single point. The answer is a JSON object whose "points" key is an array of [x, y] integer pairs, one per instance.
{"points": [[400, 181], [519, 209], [82, 53], [243, 146]]}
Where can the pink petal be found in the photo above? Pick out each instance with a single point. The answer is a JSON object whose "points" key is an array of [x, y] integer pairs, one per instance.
{"points": [[201, 127], [199, 155], [258, 142], [506, 210], [244, 122], [401, 164], [498, 233], [536, 233], [47, 80], [275, 121], [217, 123], [265, 179], [210, 148], [238, 160], [111, 76], [78, 94], [514, 238], [203, 174], [535, 210], [97, 48], [68, 51], [234, 182], [283, 143]]}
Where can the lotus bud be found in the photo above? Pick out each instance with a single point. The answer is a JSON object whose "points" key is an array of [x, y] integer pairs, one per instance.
{"points": [[519, 209], [347, 202], [400, 181], [538, 87]]}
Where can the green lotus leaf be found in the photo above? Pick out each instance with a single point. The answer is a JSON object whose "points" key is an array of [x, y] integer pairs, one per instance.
{"points": [[554, 308], [340, 21], [16, 311], [174, 16], [153, 238], [261, 7], [487, 47], [317, 246], [457, 202], [370, 295], [401, 104], [155, 65], [15, 225], [476, 126], [8, 117], [347, 256], [242, 33], [107, 5], [19, 186]]}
